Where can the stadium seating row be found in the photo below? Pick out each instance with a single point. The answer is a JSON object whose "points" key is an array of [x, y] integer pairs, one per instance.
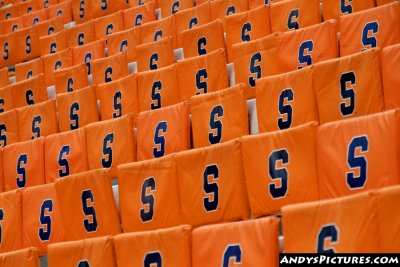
{"points": [[336, 159]]}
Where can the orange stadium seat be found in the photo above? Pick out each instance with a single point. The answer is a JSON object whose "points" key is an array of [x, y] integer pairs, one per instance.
{"points": [[376, 27], [202, 74], [390, 59], [37, 120], [41, 202], [163, 131], [23, 165], [155, 55], [145, 190], [126, 40], [52, 62], [24, 93], [54, 43], [62, 9], [137, 15], [106, 25], [246, 243], [71, 79], [294, 14], [28, 69], [46, 3], [349, 86], [312, 44], [110, 143], [27, 257], [252, 61], [158, 88], [87, 205], [80, 34], [9, 50], [65, 154], [164, 247], [94, 252], [171, 7], [288, 162], [286, 100], [11, 221], [110, 68], [334, 9], [220, 9], [217, 188], [81, 11], [202, 39], [35, 17], [247, 26], [193, 17], [4, 77], [87, 53], [8, 128], [358, 154], [11, 25], [158, 29], [219, 117], [256, 3], [118, 98], [329, 226], [384, 2], [389, 222], [77, 109], [25, 7]]}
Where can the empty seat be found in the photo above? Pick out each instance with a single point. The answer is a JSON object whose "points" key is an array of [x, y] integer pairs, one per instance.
{"points": [[155, 55], [65, 154], [4, 77], [164, 247], [71, 79], [11, 25], [252, 61], [52, 62], [333, 9], [27, 257], [77, 109], [8, 128], [124, 41], [288, 161], [247, 243], [34, 17], [303, 47], [294, 14], [349, 86], [27, 7], [94, 252], [171, 7], [8, 44], [23, 93], [286, 100], [23, 164], [118, 98], [54, 43], [217, 189], [137, 15], [219, 117], [87, 205], [145, 189], [202, 39], [110, 143], [384, 2], [202, 74], [106, 25], [328, 226], [389, 61], [376, 27], [163, 131], [62, 9], [247, 26], [37, 120], [110, 68], [358, 154], [87, 53], [158, 29], [80, 34], [11, 221], [41, 219], [46, 3], [28, 69], [158, 88], [193, 17], [220, 9]]}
